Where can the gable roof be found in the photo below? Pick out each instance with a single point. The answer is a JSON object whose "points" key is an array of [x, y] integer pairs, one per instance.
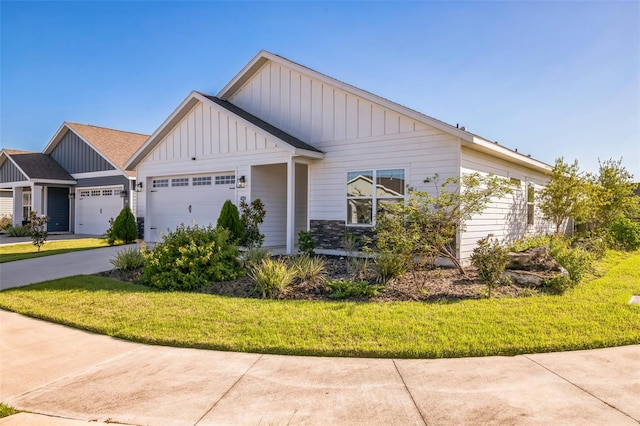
{"points": [[289, 142], [116, 146], [37, 166], [469, 139]]}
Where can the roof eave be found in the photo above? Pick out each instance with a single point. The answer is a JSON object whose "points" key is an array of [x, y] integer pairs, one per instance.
{"points": [[480, 144]]}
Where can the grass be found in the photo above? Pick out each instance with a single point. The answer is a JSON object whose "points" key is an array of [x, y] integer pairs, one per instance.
{"points": [[595, 314], [23, 251], [6, 411]]}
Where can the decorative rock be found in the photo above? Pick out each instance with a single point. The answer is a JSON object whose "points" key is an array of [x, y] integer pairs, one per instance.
{"points": [[533, 267]]}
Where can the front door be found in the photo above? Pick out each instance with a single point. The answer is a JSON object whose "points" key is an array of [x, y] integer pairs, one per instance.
{"points": [[58, 209]]}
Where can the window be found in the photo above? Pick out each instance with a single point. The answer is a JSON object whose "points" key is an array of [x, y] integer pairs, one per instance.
{"points": [[95, 193], [363, 201], [515, 182], [226, 180], [85, 193], [107, 192], [160, 183], [201, 181], [180, 182], [26, 205], [530, 203]]}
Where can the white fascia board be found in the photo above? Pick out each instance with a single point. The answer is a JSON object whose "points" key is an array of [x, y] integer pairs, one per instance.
{"points": [[105, 173], [53, 181], [185, 106], [308, 154], [508, 154], [58, 135], [11, 185]]}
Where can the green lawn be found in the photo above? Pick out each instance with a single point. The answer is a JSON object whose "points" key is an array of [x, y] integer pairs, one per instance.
{"points": [[14, 252], [594, 315]]}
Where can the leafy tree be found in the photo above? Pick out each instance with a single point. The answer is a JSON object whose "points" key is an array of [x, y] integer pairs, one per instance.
{"points": [[252, 215], [425, 227], [124, 228], [612, 194], [229, 219], [37, 225], [565, 196]]}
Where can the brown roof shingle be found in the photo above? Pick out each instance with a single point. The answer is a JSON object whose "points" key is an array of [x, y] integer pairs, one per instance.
{"points": [[116, 145], [38, 166]]}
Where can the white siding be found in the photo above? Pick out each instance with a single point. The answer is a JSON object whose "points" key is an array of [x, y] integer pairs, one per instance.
{"points": [[506, 218], [270, 184]]}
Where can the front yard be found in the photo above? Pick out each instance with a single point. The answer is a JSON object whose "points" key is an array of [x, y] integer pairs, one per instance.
{"points": [[21, 251], [595, 314]]}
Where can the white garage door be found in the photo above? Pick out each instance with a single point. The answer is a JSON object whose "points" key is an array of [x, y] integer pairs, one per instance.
{"points": [[94, 208], [187, 200]]}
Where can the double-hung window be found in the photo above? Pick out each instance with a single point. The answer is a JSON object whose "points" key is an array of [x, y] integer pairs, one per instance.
{"points": [[26, 205], [368, 191], [531, 198]]}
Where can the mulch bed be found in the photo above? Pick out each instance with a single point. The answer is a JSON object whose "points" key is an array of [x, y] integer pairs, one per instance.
{"points": [[438, 284]]}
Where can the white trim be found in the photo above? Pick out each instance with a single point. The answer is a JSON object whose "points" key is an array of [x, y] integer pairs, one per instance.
{"points": [[53, 181], [104, 173], [11, 185]]}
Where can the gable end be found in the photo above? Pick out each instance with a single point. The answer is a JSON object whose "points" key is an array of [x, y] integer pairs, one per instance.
{"points": [[10, 173], [75, 156]]}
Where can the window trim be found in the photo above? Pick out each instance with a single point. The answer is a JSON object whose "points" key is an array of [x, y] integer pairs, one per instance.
{"points": [[374, 196], [530, 218]]}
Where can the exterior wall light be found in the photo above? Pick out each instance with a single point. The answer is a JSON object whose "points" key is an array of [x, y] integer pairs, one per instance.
{"points": [[124, 193], [242, 182], [72, 195], [139, 187]]}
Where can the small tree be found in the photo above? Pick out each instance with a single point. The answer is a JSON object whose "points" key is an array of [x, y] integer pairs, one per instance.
{"points": [[491, 259], [37, 229], [613, 194], [252, 216], [125, 227], [565, 195], [425, 227], [229, 219]]}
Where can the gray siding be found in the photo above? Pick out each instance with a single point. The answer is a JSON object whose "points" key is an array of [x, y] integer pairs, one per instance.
{"points": [[10, 173], [75, 156], [104, 181]]}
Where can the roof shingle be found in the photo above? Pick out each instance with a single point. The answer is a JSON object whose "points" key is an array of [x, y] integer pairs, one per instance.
{"points": [[38, 166]]}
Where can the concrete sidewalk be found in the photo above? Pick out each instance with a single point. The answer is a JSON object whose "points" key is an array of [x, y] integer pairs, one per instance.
{"points": [[74, 375], [29, 271]]}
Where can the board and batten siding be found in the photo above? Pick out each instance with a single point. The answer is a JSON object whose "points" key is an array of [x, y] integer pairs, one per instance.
{"points": [[10, 173], [75, 156], [219, 141], [270, 184], [505, 219]]}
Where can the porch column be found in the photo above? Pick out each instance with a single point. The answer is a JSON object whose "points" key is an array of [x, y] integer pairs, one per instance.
{"points": [[17, 206], [291, 205], [37, 199]]}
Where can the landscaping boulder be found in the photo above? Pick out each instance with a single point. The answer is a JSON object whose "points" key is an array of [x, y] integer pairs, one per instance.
{"points": [[533, 267]]}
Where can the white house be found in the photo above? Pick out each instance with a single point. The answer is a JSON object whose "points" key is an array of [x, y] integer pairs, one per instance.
{"points": [[320, 154]]}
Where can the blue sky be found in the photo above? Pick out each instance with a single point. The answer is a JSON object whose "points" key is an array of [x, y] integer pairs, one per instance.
{"points": [[551, 79]]}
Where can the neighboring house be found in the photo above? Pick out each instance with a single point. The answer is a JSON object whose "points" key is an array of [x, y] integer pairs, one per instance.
{"points": [[311, 147], [78, 180]]}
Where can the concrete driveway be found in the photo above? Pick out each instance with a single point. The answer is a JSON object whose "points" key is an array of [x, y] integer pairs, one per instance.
{"points": [[70, 374]]}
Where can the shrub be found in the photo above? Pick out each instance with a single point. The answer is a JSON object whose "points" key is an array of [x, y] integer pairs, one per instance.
{"points": [[343, 289], [625, 234], [305, 243], [595, 242], [5, 222], [252, 216], [111, 237], [37, 228], [128, 259], [491, 259], [229, 219], [191, 257], [124, 228], [254, 255], [389, 266], [18, 231], [271, 277], [577, 261], [308, 268]]}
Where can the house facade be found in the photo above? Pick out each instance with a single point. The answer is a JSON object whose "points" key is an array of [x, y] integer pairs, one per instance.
{"points": [[322, 156], [78, 180]]}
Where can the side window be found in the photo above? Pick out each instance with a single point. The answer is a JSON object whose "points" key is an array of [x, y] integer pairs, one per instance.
{"points": [[368, 191], [531, 197]]}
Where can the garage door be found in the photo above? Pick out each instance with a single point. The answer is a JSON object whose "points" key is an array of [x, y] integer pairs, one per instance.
{"points": [[187, 200], [95, 206]]}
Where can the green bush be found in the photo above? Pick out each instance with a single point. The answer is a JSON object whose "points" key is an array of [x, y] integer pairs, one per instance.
{"points": [[38, 229], [305, 243], [491, 259], [191, 257], [389, 266], [308, 268], [5, 222], [272, 276], [18, 231], [254, 255], [625, 234], [124, 228], [229, 219], [595, 242], [251, 217], [343, 289], [128, 259]]}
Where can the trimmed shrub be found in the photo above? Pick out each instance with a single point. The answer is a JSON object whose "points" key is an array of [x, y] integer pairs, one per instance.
{"points": [[124, 227], [18, 231], [306, 244], [229, 219], [491, 259], [252, 216], [343, 289], [191, 257], [625, 234], [128, 259], [5, 222], [272, 276], [308, 268]]}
